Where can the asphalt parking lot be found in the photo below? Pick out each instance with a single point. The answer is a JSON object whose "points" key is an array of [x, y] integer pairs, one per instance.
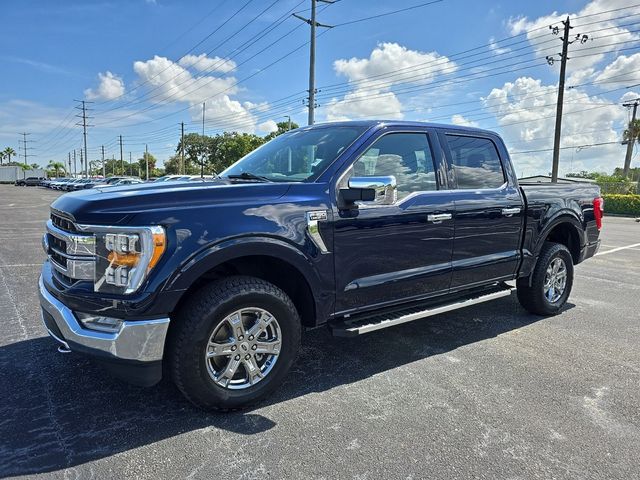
{"points": [[487, 392]]}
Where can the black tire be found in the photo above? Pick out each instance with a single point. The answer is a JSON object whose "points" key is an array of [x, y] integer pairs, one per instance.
{"points": [[532, 297], [194, 324]]}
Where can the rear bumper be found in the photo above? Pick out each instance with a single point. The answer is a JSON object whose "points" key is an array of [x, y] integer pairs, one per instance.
{"points": [[134, 352]]}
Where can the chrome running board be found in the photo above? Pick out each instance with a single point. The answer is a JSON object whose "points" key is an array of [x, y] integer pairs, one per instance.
{"points": [[358, 326]]}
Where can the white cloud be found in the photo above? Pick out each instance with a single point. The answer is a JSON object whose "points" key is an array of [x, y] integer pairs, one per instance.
{"points": [[602, 34], [458, 119], [628, 96], [172, 83], [110, 86], [373, 79], [495, 48], [203, 63], [268, 126], [622, 71], [525, 110]]}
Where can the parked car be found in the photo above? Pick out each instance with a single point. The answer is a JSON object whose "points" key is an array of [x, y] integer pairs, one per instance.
{"points": [[166, 178], [386, 223], [79, 184], [29, 182], [59, 183]]}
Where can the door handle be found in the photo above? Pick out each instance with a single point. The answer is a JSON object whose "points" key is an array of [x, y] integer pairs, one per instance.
{"points": [[509, 212], [438, 217]]}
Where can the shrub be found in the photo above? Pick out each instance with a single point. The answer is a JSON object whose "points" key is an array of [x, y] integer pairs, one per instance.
{"points": [[622, 204]]}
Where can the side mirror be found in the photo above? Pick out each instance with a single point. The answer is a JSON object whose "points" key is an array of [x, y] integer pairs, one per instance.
{"points": [[372, 190]]}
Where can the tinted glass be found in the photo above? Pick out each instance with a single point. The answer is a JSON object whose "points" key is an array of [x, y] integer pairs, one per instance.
{"points": [[406, 156], [476, 163], [298, 155]]}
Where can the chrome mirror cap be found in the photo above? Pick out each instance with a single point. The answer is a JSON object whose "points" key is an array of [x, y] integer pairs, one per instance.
{"points": [[385, 188]]}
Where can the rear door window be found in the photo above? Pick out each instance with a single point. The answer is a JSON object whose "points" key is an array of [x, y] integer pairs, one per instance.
{"points": [[475, 162]]}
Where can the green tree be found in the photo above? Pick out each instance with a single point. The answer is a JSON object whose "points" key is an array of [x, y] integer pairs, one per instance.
{"points": [[229, 147], [142, 163], [1, 157], [8, 153], [282, 128], [631, 134], [172, 165], [195, 147], [56, 167]]}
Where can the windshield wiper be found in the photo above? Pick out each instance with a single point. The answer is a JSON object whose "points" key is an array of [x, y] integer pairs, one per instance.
{"points": [[250, 176]]}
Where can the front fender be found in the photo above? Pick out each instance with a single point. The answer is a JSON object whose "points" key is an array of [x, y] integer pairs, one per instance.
{"points": [[311, 267], [214, 255]]}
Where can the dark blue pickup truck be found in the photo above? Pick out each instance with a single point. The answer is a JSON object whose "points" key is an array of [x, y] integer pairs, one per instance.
{"points": [[357, 226]]}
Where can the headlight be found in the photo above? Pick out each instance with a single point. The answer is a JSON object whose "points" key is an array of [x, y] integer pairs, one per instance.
{"points": [[125, 257]]}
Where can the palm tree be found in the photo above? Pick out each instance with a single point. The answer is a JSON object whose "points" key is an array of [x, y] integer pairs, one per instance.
{"points": [[631, 134], [24, 167], [56, 167], [1, 157], [8, 152]]}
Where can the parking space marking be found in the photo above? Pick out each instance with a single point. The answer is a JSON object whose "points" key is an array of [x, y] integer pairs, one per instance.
{"points": [[618, 249], [22, 265]]}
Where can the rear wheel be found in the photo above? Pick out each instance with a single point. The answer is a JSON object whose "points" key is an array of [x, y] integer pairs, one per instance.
{"points": [[233, 343], [551, 281]]}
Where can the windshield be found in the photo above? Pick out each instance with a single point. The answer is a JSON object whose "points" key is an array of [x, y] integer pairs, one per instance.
{"points": [[296, 156]]}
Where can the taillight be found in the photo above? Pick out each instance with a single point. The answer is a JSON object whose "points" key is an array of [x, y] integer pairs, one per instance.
{"points": [[598, 210]]}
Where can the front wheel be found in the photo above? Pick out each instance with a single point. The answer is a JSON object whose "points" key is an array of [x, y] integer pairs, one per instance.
{"points": [[551, 281], [233, 343]]}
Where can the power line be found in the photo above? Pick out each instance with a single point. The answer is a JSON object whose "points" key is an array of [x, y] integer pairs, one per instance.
{"points": [[372, 17]]}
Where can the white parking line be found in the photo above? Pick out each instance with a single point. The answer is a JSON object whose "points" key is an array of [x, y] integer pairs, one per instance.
{"points": [[22, 265], [618, 249]]}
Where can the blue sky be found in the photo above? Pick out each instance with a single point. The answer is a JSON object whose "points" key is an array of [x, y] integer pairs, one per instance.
{"points": [[149, 65]]}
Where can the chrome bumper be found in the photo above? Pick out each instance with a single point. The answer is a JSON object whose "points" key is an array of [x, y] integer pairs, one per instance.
{"points": [[141, 341]]}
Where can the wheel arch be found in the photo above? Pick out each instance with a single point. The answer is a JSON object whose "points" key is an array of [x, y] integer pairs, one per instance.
{"points": [[565, 229], [269, 259]]}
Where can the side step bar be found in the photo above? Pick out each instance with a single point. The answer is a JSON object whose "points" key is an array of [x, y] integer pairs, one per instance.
{"points": [[359, 326]]}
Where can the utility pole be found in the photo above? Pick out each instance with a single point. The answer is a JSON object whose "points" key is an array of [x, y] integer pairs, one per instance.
{"points": [[289, 122], [146, 157], [203, 144], [25, 148], [563, 70], [312, 56], [69, 162], [104, 173], [83, 116], [75, 164], [631, 140], [81, 163], [121, 158], [181, 148], [130, 165]]}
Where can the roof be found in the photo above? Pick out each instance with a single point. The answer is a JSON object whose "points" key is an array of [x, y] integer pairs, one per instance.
{"points": [[397, 123]]}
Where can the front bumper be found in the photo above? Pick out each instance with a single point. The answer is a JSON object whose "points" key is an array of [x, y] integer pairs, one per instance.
{"points": [[134, 352]]}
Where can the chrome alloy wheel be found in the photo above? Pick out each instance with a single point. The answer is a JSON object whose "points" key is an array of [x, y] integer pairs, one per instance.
{"points": [[555, 280], [243, 348]]}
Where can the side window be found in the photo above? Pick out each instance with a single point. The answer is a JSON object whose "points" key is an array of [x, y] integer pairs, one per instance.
{"points": [[406, 156], [475, 162]]}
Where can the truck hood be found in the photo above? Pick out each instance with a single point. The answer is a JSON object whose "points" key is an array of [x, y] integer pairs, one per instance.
{"points": [[117, 205]]}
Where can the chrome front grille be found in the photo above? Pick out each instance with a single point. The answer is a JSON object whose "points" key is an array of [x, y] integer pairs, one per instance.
{"points": [[72, 254]]}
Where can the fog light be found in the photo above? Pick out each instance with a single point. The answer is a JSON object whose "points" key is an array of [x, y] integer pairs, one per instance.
{"points": [[99, 323]]}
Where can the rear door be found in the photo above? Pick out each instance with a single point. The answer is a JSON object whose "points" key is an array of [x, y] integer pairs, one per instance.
{"points": [[489, 209], [389, 253]]}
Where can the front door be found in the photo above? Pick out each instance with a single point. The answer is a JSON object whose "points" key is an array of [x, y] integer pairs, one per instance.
{"points": [[387, 253]]}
